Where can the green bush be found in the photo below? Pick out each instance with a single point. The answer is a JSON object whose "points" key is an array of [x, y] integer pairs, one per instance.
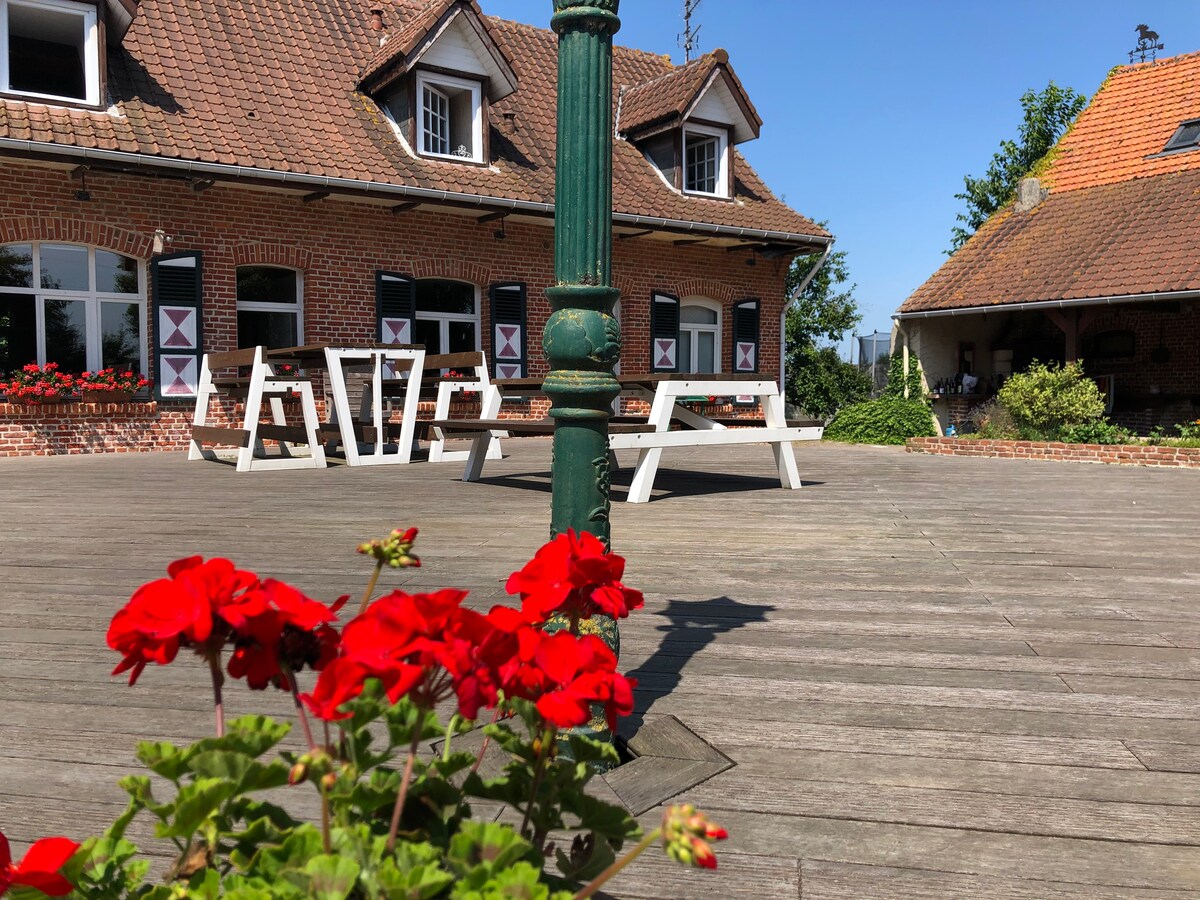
{"points": [[1046, 399], [888, 420], [1100, 431]]}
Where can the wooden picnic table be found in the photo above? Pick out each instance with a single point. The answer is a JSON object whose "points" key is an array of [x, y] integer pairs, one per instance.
{"points": [[665, 392]]}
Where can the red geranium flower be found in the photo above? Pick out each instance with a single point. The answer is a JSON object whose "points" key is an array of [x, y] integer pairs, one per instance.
{"points": [[204, 605], [39, 868], [574, 575], [581, 671]]}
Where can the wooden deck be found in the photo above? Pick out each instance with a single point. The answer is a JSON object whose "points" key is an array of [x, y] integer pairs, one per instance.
{"points": [[938, 677]]}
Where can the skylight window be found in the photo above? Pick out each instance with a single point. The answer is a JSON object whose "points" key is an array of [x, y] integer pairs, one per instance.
{"points": [[1185, 137]]}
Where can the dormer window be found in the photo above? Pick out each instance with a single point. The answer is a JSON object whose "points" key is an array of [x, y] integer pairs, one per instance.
{"points": [[50, 50], [450, 119], [705, 160], [1186, 136]]}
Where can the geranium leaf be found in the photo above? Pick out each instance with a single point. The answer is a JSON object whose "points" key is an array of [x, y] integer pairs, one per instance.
{"points": [[331, 877], [163, 759], [195, 803]]}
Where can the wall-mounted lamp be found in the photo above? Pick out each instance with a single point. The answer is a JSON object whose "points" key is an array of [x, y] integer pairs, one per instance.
{"points": [[160, 240], [752, 259]]}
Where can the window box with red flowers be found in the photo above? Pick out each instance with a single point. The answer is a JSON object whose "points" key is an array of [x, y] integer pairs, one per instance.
{"points": [[110, 386], [36, 384]]}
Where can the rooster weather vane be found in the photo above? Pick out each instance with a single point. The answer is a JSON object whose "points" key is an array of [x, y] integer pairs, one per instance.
{"points": [[1147, 46]]}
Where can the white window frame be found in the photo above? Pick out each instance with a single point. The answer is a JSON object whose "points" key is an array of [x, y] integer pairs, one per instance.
{"points": [[706, 133], [91, 298], [444, 319], [91, 48], [439, 84], [296, 308], [696, 328]]}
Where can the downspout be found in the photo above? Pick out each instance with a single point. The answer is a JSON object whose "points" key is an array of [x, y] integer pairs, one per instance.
{"points": [[800, 288]]}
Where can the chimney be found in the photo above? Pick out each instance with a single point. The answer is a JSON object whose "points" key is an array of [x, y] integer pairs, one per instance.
{"points": [[1029, 194], [377, 19]]}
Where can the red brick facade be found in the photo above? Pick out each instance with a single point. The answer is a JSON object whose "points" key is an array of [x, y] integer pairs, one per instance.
{"points": [[1123, 454], [338, 247]]}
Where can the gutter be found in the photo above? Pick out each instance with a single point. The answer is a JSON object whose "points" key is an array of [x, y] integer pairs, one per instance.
{"points": [[800, 288], [360, 186], [1156, 296]]}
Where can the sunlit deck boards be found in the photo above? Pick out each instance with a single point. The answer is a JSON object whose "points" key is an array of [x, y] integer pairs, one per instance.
{"points": [[938, 677]]}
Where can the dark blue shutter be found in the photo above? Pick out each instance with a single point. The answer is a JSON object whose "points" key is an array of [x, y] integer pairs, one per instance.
{"points": [[746, 336], [395, 308], [510, 357], [177, 310], [664, 333]]}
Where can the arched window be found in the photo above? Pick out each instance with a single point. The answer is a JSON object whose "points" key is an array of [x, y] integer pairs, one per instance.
{"points": [[447, 316], [699, 335], [81, 307], [270, 307]]}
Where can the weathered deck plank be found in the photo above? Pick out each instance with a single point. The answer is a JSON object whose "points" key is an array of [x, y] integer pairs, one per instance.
{"points": [[937, 677]]}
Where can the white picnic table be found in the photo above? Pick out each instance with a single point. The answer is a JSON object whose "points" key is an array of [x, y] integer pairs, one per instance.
{"points": [[666, 394]]}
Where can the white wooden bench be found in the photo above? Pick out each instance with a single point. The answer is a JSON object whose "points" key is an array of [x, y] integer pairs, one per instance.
{"points": [[252, 389]]}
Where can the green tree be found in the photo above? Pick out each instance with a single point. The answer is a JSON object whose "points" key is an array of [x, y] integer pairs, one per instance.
{"points": [[1047, 115], [818, 380]]}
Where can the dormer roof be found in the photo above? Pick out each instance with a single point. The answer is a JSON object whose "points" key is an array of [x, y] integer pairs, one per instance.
{"points": [[706, 88], [452, 34], [120, 17]]}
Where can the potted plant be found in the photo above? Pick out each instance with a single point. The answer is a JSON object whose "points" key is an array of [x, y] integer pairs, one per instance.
{"points": [[38, 384], [110, 386]]}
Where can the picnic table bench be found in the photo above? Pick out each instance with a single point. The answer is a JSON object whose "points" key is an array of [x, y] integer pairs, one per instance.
{"points": [[260, 383], [650, 436]]}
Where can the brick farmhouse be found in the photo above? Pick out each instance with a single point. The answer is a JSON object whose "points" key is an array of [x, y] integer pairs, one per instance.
{"points": [[1098, 258], [182, 177]]}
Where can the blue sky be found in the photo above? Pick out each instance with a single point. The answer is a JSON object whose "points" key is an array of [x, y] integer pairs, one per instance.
{"points": [[874, 110]]}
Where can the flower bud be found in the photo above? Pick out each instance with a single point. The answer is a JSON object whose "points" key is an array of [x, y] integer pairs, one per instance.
{"points": [[329, 781], [298, 773]]}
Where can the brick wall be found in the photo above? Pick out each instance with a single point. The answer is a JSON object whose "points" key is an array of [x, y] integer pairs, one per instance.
{"points": [[1124, 454], [339, 246]]}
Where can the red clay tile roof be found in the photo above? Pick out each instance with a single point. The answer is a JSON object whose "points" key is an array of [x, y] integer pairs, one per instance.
{"points": [[1120, 218], [1125, 128], [272, 84], [663, 101]]}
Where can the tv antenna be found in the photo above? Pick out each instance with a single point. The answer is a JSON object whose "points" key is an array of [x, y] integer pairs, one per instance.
{"points": [[689, 38], [1148, 45]]}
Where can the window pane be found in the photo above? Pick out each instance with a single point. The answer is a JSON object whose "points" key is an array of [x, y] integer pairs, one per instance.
{"points": [[436, 108], [684, 358], [462, 337], [706, 351], [701, 164], [16, 265], [698, 315], [66, 334], [64, 268], [46, 51], [116, 274], [268, 329], [266, 284], [120, 334], [18, 332], [429, 333], [446, 297]]}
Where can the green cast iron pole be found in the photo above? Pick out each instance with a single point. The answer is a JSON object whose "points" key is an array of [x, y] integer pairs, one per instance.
{"points": [[582, 340]]}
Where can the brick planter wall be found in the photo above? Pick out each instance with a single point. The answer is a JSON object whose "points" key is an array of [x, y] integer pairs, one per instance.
{"points": [[57, 429], [1112, 454]]}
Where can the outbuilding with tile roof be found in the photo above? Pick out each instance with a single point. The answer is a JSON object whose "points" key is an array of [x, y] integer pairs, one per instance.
{"points": [[1097, 258]]}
